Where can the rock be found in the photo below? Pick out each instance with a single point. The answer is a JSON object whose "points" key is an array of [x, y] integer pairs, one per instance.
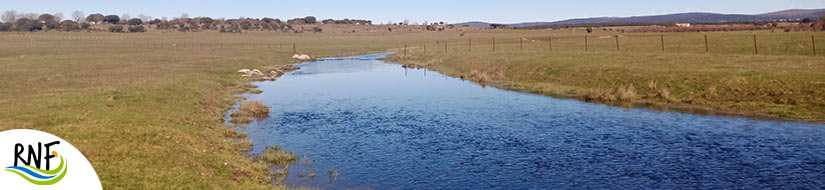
{"points": [[288, 68], [243, 71], [301, 57]]}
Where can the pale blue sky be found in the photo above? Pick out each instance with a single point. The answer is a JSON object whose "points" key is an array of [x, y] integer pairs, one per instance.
{"points": [[451, 11]]}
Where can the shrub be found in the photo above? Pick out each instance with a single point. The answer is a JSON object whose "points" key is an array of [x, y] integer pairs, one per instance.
{"points": [[116, 28], [136, 29], [68, 25], [85, 25], [5, 27], [111, 19], [27, 25], [134, 21]]}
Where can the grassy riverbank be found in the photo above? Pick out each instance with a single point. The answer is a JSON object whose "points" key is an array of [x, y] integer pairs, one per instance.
{"points": [[780, 82], [147, 109]]}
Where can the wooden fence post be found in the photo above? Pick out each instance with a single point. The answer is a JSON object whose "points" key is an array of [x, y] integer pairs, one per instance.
{"points": [[550, 41], [521, 43], [425, 50], [585, 44], [294, 49], [706, 44], [813, 41], [617, 43], [663, 42], [445, 46], [470, 43], [755, 47], [494, 43]]}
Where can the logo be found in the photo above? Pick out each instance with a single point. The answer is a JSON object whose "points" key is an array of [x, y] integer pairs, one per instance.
{"points": [[33, 159], [37, 174]]}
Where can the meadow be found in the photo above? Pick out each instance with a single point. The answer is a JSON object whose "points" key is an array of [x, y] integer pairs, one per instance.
{"points": [[148, 109]]}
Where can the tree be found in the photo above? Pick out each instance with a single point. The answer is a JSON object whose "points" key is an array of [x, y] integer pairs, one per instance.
{"points": [[9, 16], [134, 21], [58, 17], [78, 16], [96, 18], [144, 18], [48, 20], [116, 28], [111, 19], [5, 27], [69, 25], [136, 29], [26, 24], [820, 24]]}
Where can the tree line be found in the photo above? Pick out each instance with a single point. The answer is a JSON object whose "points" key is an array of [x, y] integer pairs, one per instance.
{"points": [[29, 22]]}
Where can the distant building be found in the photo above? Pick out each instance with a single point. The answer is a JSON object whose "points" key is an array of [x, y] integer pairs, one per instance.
{"points": [[683, 24]]}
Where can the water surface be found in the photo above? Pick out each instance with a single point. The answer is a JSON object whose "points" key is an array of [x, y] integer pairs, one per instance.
{"points": [[381, 126]]}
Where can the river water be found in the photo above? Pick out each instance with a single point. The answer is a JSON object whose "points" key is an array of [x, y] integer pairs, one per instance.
{"points": [[381, 126]]}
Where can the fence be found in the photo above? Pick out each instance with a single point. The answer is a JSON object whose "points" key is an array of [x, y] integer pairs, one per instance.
{"points": [[670, 43]]}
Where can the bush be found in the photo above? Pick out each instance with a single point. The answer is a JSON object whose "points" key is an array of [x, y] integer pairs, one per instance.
{"points": [[85, 25], [137, 29], [116, 28], [111, 19], [28, 25], [5, 27], [68, 25], [134, 21]]}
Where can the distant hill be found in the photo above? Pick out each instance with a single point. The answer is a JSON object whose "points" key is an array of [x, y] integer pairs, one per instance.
{"points": [[792, 14]]}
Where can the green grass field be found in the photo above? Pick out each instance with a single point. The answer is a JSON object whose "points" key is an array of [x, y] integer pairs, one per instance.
{"points": [[147, 109]]}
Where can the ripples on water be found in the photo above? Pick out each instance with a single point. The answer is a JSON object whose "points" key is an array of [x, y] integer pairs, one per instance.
{"points": [[385, 127]]}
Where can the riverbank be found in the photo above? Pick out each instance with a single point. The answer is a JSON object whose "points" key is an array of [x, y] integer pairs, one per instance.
{"points": [[147, 110], [763, 86]]}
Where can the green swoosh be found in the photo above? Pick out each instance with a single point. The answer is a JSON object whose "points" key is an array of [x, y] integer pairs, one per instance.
{"points": [[49, 172], [49, 182]]}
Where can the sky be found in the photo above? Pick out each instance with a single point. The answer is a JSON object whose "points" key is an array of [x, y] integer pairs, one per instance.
{"points": [[416, 11]]}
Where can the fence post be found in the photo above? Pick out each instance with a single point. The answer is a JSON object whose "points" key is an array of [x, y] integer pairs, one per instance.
{"points": [[521, 43], [494, 43], [617, 43], [813, 41], [425, 50], [470, 43], [755, 47], [550, 41], [294, 49], [706, 44], [663, 42], [585, 44], [445, 46]]}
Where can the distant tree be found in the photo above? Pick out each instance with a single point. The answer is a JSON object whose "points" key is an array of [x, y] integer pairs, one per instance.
{"points": [[137, 29], [78, 16], [806, 20], [317, 29], [58, 17], [96, 18], [6, 26], [156, 21], [85, 25], [144, 18], [49, 21], [9, 16], [820, 23], [111, 19], [69, 25], [116, 28], [589, 30], [26, 24], [310, 20], [134, 21]]}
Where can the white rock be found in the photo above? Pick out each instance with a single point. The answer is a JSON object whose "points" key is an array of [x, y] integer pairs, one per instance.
{"points": [[243, 71], [301, 57]]}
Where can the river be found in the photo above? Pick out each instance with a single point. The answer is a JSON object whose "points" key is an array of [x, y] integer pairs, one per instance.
{"points": [[381, 126]]}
